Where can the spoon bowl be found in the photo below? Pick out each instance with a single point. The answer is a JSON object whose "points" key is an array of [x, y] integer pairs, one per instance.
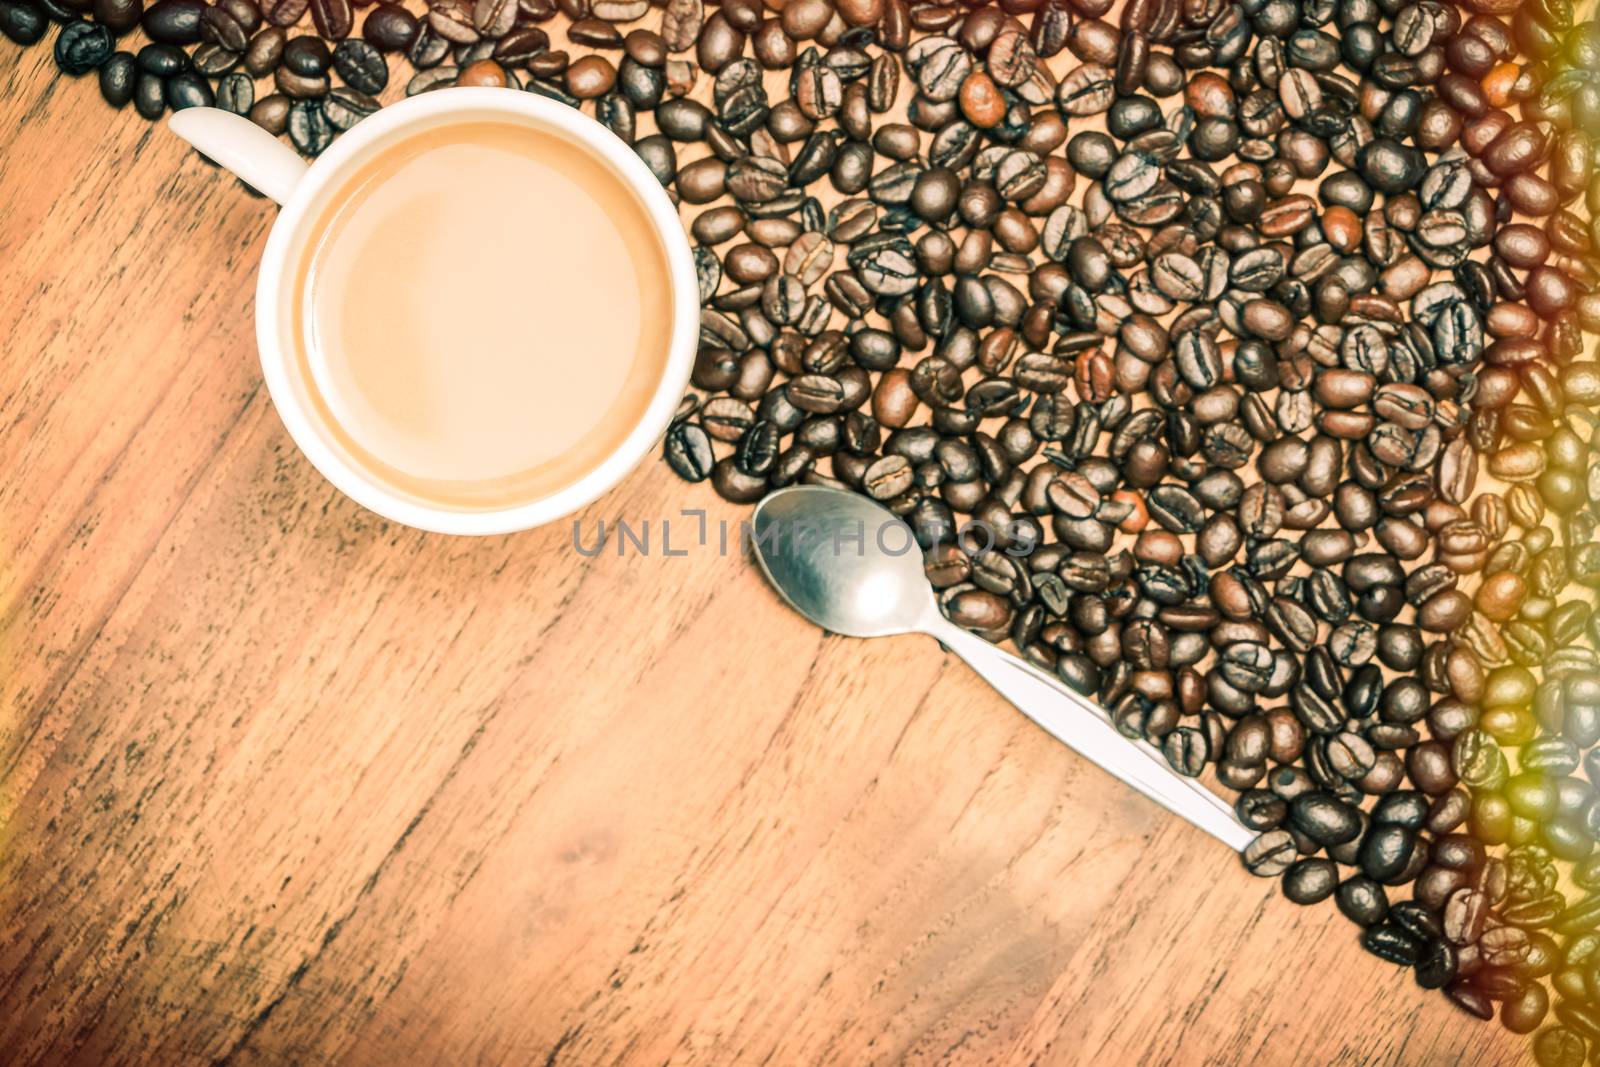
{"points": [[842, 561]]}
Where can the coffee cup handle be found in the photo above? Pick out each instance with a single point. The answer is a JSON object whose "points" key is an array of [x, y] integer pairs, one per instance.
{"points": [[259, 159]]}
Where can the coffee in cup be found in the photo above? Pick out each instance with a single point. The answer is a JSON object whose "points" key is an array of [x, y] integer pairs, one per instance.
{"points": [[483, 313]]}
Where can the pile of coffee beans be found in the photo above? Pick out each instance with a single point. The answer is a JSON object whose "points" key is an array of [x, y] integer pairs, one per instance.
{"points": [[1229, 359], [1201, 321], [1180, 335]]}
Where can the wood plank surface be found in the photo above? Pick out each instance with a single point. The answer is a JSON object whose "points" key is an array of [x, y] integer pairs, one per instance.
{"points": [[282, 783]]}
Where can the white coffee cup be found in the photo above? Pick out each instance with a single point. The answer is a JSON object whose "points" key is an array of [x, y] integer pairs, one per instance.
{"points": [[265, 163]]}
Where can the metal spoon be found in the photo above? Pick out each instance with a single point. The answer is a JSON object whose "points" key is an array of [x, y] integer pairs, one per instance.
{"points": [[853, 568]]}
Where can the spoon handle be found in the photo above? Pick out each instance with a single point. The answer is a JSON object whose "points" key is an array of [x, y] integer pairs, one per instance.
{"points": [[1083, 727]]}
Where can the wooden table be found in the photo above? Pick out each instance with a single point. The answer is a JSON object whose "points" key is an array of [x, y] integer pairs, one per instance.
{"points": [[283, 783]]}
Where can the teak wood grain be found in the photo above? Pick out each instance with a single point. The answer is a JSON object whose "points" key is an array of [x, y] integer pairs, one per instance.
{"points": [[281, 783]]}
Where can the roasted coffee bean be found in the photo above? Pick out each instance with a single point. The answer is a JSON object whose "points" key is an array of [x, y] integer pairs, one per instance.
{"points": [[344, 107], [1388, 942], [236, 93], [736, 486], [688, 452], [361, 66], [173, 21], [300, 86], [1362, 900], [271, 113], [1310, 881], [82, 47], [213, 61], [309, 128], [332, 18], [162, 61], [1522, 1014], [284, 12], [1558, 1046], [188, 89], [22, 22], [265, 51], [389, 27], [591, 77], [307, 56], [1270, 854], [118, 76], [120, 16], [1324, 818]]}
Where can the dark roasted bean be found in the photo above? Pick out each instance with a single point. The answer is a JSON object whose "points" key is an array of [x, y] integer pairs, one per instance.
{"points": [[118, 76], [173, 21], [82, 47]]}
